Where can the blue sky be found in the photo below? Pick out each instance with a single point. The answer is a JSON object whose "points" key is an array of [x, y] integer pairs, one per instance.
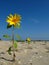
{"points": [[35, 18]]}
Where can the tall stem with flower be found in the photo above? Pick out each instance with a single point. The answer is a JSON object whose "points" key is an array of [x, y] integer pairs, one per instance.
{"points": [[28, 41], [13, 20]]}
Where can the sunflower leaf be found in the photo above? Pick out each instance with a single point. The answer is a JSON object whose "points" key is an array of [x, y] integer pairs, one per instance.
{"points": [[9, 26], [6, 36], [15, 45], [18, 25], [9, 51]]}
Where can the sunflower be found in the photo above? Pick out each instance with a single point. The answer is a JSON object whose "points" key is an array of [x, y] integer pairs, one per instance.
{"points": [[28, 39], [14, 19]]}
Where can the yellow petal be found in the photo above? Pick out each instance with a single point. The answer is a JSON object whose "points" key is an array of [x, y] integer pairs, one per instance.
{"points": [[9, 18], [19, 17], [11, 23], [8, 21], [14, 16], [11, 15]]}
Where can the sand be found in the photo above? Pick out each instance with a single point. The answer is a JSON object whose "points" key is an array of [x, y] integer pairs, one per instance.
{"points": [[36, 54]]}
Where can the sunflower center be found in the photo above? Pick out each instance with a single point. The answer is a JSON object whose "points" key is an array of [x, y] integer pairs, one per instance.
{"points": [[14, 20]]}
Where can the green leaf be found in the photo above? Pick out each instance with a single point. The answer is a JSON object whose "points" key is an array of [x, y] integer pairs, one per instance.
{"points": [[9, 26], [15, 45], [17, 25], [9, 51], [6, 36]]}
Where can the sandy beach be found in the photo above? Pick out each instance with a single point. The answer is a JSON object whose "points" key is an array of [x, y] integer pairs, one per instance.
{"points": [[36, 54]]}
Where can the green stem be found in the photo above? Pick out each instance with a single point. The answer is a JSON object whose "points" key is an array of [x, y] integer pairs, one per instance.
{"points": [[13, 44]]}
